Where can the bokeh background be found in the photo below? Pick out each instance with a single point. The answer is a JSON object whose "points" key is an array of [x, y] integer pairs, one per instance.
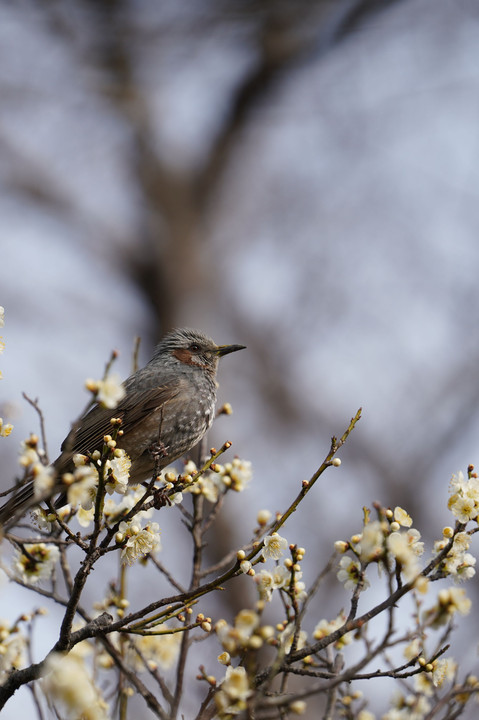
{"points": [[299, 177]]}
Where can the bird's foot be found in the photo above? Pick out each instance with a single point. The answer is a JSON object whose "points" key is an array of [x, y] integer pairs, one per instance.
{"points": [[158, 450], [160, 498]]}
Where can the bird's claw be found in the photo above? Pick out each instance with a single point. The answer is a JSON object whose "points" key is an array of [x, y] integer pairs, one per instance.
{"points": [[158, 450], [160, 498]]}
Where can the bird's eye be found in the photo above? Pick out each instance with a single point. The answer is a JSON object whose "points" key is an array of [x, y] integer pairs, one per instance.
{"points": [[194, 347]]}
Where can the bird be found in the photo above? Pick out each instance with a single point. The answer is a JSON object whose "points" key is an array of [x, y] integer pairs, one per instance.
{"points": [[167, 408]]}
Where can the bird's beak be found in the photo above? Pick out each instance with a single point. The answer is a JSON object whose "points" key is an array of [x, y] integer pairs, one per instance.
{"points": [[226, 349]]}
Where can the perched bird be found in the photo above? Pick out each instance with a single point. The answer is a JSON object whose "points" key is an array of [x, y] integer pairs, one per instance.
{"points": [[167, 408]]}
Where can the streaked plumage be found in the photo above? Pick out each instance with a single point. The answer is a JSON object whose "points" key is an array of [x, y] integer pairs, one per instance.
{"points": [[170, 401]]}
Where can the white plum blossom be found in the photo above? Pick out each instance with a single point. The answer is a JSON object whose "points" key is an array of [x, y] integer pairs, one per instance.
{"points": [[286, 637], [269, 580], [28, 456], [443, 669], [235, 683], [246, 623], [85, 517], [402, 517], [458, 562], [108, 392], [5, 428], [274, 546], [117, 473], [43, 480], [371, 548], [234, 692], [36, 563], [350, 573], [139, 541], [464, 500], [265, 584], [157, 650], [83, 486], [413, 649], [114, 510], [449, 602], [401, 547], [325, 628]]}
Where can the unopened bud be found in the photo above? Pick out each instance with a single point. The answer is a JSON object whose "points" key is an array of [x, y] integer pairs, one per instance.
{"points": [[263, 517], [297, 707]]}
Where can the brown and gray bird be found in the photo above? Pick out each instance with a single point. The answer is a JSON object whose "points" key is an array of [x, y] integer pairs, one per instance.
{"points": [[170, 402]]}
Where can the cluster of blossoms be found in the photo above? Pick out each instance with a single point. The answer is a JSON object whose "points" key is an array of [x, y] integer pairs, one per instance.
{"points": [[449, 602], [31, 459], [13, 646], [70, 687], [235, 475], [325, 628], [246, 633], [82, 483], [231, 698], [286, 576], [160, 650], [137, 541], [417, 705], [391, 539], [464, 500], [458, 563], [391, 542]]}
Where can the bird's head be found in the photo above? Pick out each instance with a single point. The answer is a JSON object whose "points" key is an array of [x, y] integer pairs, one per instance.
{"points": [[191, 347]]}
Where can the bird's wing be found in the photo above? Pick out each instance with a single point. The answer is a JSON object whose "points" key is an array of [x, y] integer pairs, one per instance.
{"points": [[87, 434]]}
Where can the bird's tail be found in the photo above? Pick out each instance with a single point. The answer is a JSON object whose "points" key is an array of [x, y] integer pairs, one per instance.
{"points": [[20, 502]]}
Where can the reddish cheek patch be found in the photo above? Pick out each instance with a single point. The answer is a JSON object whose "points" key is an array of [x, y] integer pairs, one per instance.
{"points": [[184, 356]]}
